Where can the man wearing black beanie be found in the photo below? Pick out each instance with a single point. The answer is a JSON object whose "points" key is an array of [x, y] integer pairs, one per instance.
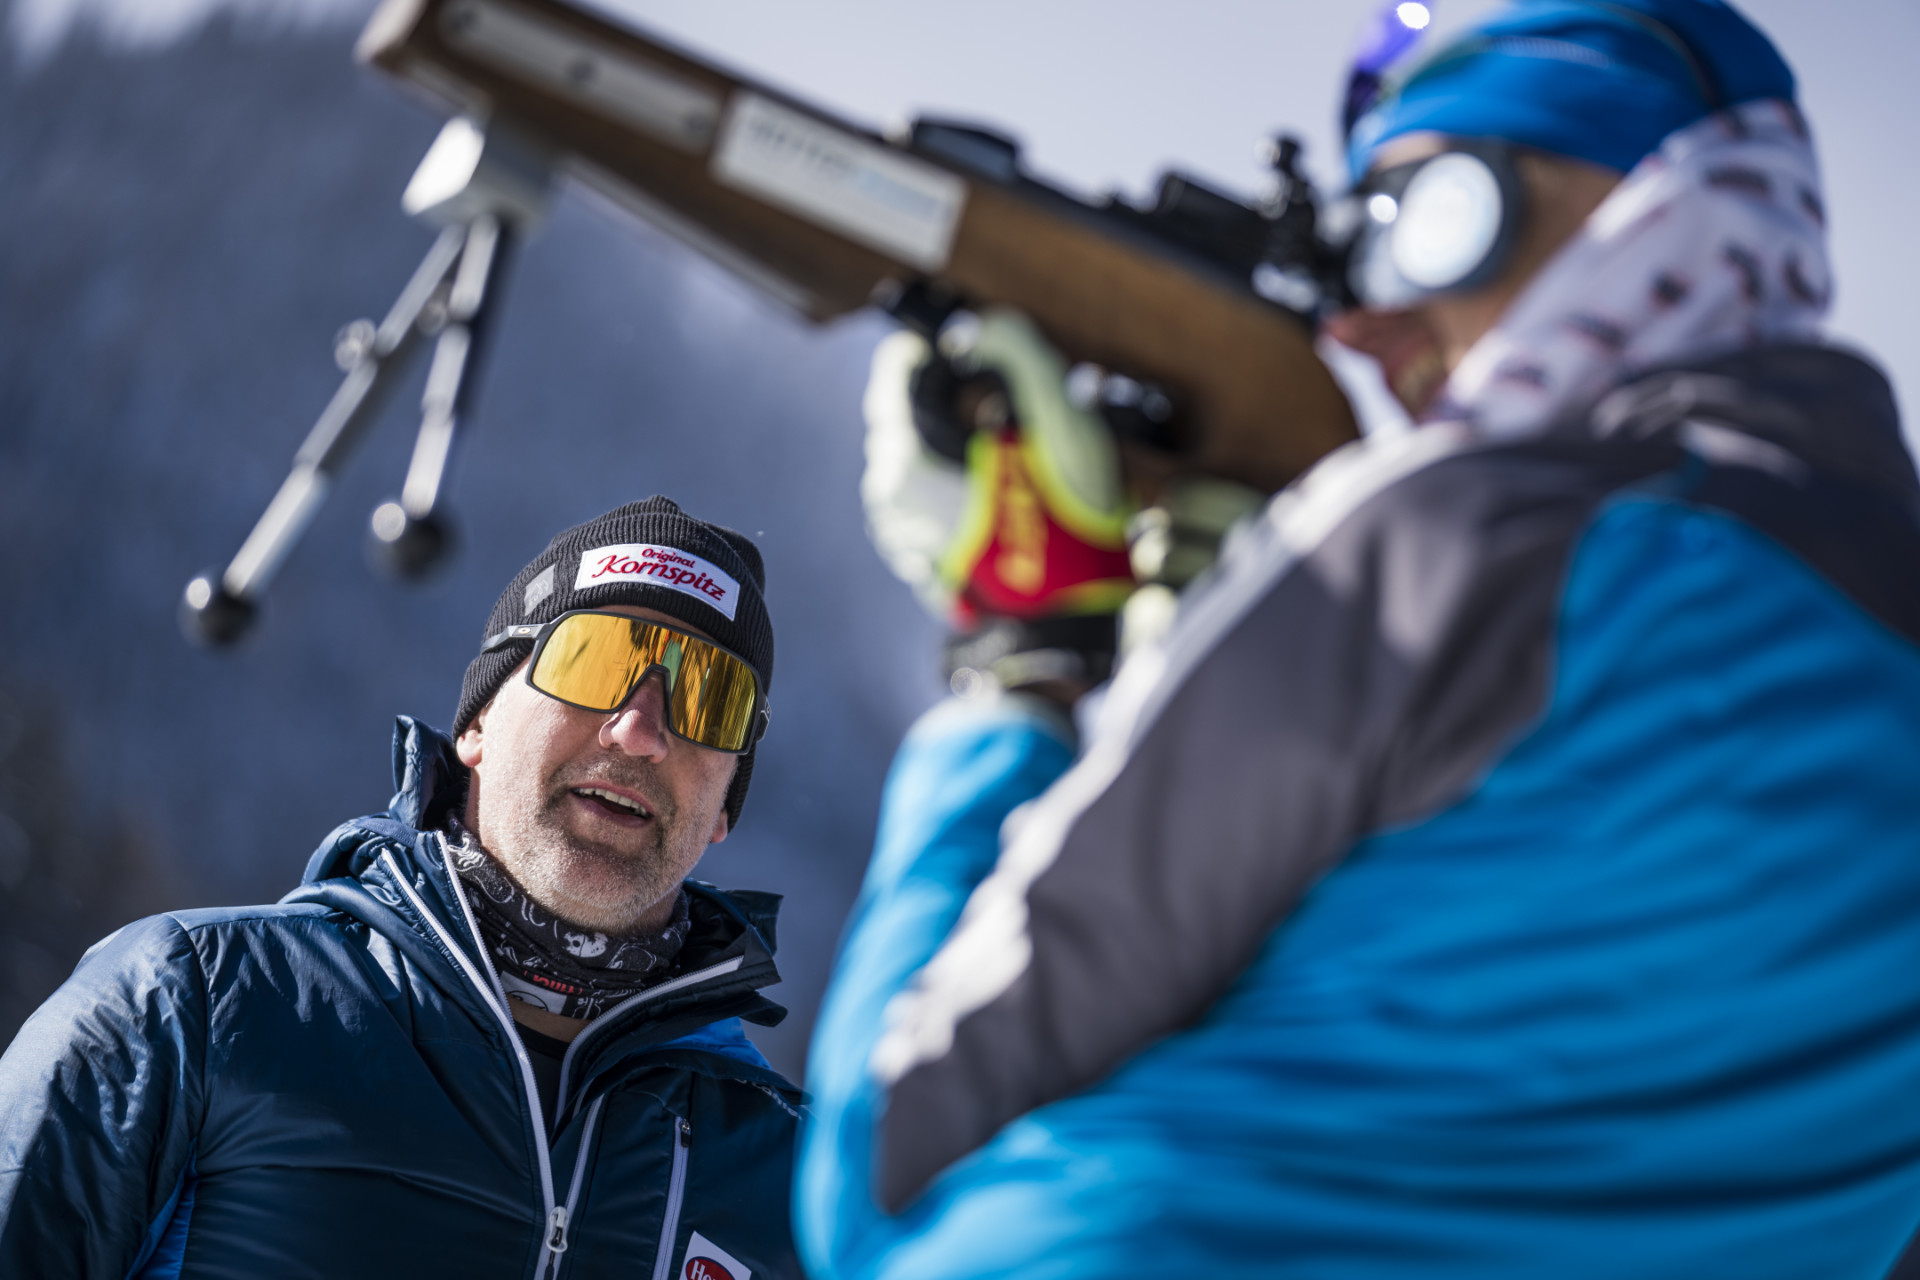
{"points": [[496, 1030]]}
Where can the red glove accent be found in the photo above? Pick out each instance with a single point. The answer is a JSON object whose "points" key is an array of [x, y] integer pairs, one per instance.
{"points": [[1016, 559]]}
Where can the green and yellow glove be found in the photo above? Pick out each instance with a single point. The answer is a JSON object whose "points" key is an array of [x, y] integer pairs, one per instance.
{"points": [[998, 499]]}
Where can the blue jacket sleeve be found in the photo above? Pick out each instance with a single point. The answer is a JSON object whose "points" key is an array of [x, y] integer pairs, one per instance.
{"points": [[100, 1096], [962, 769]]}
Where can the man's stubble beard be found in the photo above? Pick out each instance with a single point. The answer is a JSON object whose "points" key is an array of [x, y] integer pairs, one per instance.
{"points": [[587, 884]]}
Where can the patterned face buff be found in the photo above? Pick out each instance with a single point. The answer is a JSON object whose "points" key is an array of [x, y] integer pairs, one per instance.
{"points": [[545, 962], [1715, 241]]}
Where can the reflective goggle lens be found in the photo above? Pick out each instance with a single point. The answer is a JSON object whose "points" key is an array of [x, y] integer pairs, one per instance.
{"points": [[594, 660]]}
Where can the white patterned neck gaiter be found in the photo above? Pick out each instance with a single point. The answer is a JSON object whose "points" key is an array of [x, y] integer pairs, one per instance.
{"points": [[548, 963], [1714, 242]]}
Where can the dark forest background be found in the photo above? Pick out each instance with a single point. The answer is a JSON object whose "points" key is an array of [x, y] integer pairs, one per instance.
{"points": [[182, 232]]}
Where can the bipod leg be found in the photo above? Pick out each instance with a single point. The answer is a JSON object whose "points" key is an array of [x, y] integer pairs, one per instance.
{"points": [[219, 606], [411, 535]]}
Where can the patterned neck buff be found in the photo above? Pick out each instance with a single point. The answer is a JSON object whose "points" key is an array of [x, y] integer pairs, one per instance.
{"points": [[548, 963], [1714, 242]]}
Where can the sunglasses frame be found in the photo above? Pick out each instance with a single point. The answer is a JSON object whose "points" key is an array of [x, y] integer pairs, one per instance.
{"points": [[761, 718]]}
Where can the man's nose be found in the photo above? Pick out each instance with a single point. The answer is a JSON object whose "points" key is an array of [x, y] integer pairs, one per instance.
{"points": [[639, 728]]}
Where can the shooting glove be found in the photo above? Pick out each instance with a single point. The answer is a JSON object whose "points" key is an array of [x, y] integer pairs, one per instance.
{"points": [[998, 500]]}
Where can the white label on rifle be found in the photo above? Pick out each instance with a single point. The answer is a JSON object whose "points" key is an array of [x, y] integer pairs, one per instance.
{"points": [[878, 196], [554, 57]]}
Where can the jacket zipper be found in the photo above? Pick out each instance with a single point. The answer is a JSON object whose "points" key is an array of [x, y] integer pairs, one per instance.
{"points": [[676, 1193], [556, 1217], [496, 999], [563, 1214]]}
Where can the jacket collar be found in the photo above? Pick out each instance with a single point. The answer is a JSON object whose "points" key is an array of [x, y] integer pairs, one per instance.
{"points": [[1827, 407]]}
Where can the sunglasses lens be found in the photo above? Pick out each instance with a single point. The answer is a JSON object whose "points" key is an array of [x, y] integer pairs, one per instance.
{"points": [[712, 696], [593, 660]]}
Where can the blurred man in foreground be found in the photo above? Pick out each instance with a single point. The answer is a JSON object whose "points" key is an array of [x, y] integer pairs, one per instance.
{"points": [[495, 1031], [1509, 862]]}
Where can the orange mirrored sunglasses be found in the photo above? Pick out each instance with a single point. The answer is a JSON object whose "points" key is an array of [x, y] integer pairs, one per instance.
{"points": [[595, 660]]}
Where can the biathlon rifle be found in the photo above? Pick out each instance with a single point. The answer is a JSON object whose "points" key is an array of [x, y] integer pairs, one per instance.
{"points": [[1193, 313]]}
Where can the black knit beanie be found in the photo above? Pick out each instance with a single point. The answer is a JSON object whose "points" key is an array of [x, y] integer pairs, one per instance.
{"points": [[651, 554]]}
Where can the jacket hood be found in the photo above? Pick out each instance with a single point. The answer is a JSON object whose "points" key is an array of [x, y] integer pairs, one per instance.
{"points": [[429, 781]]}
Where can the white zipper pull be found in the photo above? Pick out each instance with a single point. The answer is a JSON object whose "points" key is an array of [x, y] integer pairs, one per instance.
{"points": [[686, 1133], [557, 1235]]}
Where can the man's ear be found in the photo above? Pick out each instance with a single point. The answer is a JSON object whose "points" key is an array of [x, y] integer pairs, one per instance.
{"points": [[720, 819], [467, 745]]}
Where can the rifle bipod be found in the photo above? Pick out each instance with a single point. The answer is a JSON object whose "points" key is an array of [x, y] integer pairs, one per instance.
{"points": [[484, 193]]}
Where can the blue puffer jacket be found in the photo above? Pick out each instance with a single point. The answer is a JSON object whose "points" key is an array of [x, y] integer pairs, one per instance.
{"points": [[331, 1087], [1508, 867]]}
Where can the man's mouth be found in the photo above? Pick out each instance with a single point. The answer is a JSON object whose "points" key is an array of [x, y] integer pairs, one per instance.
{"points": [[613, 803]]}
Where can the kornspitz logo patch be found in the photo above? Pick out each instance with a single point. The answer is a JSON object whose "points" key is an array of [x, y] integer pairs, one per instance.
{"points": [[708, 1261], [661, 567]]}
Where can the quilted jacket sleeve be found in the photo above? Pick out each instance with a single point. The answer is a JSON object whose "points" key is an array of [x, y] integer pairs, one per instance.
{"points": [[100, 1096]]}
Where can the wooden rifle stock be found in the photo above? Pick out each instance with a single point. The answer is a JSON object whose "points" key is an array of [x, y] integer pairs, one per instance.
{"points": [[830, 218]]}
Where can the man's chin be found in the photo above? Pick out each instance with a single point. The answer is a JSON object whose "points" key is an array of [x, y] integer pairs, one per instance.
{"points": [[594, 887], [584, 909]]}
